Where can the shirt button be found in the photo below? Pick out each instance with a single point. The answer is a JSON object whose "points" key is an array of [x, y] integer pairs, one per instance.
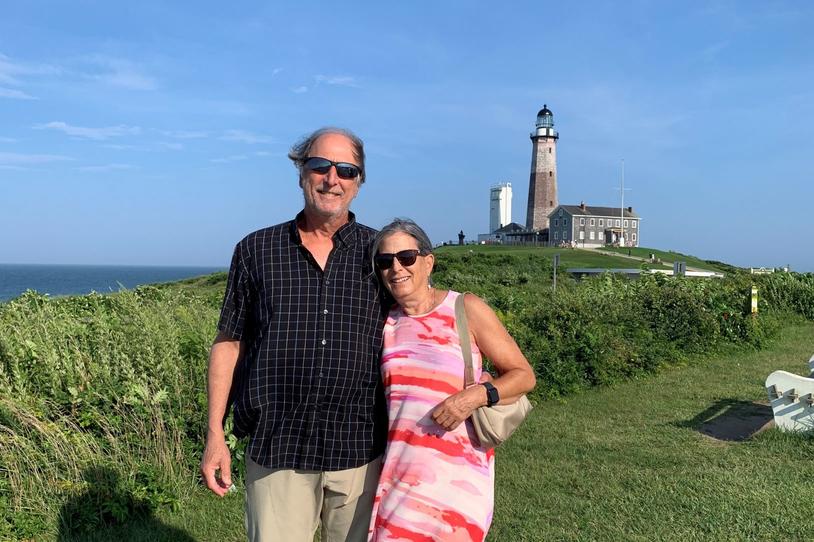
{"points": [[324, 342], [325, 311], [327, 282]]}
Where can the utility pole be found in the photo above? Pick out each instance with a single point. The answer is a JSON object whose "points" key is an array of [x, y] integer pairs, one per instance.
{"points": [[622, 189]]}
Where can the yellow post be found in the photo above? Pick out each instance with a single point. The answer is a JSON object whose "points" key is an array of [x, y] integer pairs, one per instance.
{"points": [[754, 299]]}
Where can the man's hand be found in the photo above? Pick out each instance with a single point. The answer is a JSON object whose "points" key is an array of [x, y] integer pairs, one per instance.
{"points": [[216, 465], [458, 407]]}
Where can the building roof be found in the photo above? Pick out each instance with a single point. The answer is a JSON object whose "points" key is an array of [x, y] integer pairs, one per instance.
{"points": [[510, 228], [544, 111], [591, 210]]}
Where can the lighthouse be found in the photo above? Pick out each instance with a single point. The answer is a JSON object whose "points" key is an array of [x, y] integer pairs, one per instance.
{"points": [[543, 177]]}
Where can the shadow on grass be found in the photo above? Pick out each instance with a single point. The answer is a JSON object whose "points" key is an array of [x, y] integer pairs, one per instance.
{"points": [[109, 510], [731, 420]]}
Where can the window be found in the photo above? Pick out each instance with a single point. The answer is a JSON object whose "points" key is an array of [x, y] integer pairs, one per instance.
{"points": [[549, 150], [626, 223], [560, 212], [617, 222], [550, 173], [564, 221], [601, 223], [581, 235], [634, 237], [556, 222], [591, 236], [633, 224], [581, 221], [557, 235], [564, 234]]}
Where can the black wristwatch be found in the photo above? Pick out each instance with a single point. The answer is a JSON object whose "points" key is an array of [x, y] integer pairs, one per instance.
{"points": [[492, 396]]}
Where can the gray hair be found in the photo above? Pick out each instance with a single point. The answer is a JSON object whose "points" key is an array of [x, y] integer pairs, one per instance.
{"points": [[403, 225], [301, 150]]}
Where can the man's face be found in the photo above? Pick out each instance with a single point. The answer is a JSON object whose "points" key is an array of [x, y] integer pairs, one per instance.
{"points": [[326, 194]]}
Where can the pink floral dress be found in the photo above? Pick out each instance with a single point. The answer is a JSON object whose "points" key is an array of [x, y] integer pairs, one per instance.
{"points": [[436, 485]]}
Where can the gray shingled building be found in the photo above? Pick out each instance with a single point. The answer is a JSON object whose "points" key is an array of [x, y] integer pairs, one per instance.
{"points": [[589, 226]]}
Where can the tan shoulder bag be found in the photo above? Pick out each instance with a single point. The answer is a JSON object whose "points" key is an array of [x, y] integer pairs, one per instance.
{"points": [[496, 423]]}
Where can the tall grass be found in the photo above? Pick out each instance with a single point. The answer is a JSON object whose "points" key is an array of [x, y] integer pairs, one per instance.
{"points": [[114, 380], [102, 398]]}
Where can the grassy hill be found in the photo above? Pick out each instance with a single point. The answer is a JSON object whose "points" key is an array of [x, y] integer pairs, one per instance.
{"points": [[103, 403], [668, 257], [568, 257]]}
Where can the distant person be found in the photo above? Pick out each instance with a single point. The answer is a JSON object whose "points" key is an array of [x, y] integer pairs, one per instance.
{"points": [[300, 334], [437, 482]]}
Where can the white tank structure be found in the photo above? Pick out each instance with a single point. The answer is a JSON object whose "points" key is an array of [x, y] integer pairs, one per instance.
{"points": [[500, 206]]}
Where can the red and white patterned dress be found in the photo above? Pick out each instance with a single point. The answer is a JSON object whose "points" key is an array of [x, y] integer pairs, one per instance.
{"points": [[436, 485]]}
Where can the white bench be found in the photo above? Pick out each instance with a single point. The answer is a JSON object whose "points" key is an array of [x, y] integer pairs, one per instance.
{"points": [[792, 399]]}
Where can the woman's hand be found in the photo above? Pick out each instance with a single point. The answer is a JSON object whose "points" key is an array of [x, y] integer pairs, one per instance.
{"points": [[458, 407]]}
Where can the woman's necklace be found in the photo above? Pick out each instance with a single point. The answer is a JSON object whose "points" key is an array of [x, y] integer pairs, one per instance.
{"points": [[431, 299]]}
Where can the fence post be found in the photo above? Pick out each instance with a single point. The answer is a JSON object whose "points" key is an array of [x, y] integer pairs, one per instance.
{"points": [[754, 300]]}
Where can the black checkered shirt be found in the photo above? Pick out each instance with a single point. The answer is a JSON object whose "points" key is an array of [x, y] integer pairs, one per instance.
{"points": [[308, 390]]}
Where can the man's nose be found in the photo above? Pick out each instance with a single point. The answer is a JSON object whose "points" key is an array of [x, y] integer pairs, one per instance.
{"points": [[331, 177]]}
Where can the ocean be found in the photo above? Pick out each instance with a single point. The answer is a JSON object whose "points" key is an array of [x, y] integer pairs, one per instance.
{"points": [[59, 280]]}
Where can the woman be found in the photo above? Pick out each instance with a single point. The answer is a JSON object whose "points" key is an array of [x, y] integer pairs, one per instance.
{"points": [[437, 483]]}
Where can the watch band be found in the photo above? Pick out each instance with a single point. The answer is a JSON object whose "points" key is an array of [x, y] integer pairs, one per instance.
{"points": [[492, 396]]}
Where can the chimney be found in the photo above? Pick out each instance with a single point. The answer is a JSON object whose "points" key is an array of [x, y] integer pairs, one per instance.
{"points": [[630, 210], [582, 205]]}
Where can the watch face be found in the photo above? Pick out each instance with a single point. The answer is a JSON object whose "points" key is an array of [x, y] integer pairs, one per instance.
{"points": [[492, 395]]}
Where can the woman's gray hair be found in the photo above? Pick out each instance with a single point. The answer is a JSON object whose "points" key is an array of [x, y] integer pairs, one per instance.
{"points": [[403, 225], [301, 150]]}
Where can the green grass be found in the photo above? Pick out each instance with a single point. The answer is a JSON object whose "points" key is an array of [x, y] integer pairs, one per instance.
{"points": [[618, 463], [568, 257], [102, 401], [627, 462], [668, 257]]}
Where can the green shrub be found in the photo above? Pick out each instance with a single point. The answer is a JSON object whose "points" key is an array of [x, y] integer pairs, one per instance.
{"points": [[103, 397]]}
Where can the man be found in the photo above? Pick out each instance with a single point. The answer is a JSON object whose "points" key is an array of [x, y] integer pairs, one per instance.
{"points": [[300, 331]]}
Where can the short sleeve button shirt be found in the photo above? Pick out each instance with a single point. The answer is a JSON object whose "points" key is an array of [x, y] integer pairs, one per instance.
{"points": [[310, 393]]}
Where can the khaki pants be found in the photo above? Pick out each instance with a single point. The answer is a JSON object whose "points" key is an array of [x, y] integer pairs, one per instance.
{"points": [[287, 504]]}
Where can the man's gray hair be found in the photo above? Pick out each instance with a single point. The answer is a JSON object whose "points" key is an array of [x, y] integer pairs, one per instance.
{"points": [[301, 150], [403, 225]]}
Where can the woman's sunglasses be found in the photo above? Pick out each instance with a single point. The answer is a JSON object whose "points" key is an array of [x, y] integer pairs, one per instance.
{"points": [[322, 166], [384, 260]]}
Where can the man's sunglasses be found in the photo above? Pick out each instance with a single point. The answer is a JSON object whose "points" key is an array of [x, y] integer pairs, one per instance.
{"points": [[322, 166], [384, 260]]}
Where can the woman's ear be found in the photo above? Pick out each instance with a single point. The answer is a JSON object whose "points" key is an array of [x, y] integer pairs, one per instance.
{"points": [[430, 262]]}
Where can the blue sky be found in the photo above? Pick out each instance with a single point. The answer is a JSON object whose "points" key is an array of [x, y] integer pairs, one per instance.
{"points": [[156, 132]]}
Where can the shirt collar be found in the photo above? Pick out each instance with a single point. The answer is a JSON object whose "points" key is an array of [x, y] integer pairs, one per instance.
{"points": [[346, 234]]}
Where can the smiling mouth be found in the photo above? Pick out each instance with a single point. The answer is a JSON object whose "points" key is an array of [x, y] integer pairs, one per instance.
{"points": [[399, 280]]}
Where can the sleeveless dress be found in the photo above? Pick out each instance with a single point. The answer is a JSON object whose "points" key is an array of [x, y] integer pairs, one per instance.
{"points": [[436, 485]]}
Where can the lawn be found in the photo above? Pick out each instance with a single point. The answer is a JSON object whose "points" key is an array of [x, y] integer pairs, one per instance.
{"points": [[619, 463], [568, 257], [668, 257]]}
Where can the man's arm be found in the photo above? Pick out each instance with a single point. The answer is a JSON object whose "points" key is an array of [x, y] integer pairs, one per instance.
{"points": [[223, 359]]}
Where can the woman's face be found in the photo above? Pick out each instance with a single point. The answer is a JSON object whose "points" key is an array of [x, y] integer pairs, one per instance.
{"points": [[405, 282]]}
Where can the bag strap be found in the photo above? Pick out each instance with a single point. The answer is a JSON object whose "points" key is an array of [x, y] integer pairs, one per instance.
{"points": [[463, 336]]}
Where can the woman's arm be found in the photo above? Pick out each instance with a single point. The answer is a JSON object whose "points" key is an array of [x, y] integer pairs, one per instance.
{"points": [[516, 376]]}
